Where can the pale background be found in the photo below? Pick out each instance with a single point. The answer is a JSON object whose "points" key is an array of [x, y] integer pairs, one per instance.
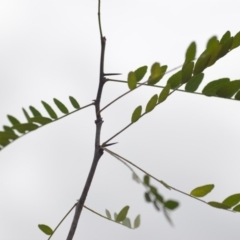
{"points": [[50, 49]]}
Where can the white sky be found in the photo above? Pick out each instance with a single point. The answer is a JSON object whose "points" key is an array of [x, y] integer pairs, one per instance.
{"points": [[50, 49]]}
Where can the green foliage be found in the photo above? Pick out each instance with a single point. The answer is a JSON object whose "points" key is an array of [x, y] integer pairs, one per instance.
{"points": [[140, 73], [202, 63], [194, 82], [232, 200], [49, 110], [74, 102], [151, 103], [191, 52], [61, 106], [187, 72], [46, 229], [175, 80], [218, 205], [202, 191], [229, 89], [236, 41], [35, 112], [211, 88], [164, 93], [136, 114], [132, 80], [122, 214], [157, 72], [108, 214]]}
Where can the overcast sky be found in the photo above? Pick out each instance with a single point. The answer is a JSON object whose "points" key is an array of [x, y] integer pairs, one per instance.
{"points": [[51, 49]]}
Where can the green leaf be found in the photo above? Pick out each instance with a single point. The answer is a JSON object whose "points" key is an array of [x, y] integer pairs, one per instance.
{"points": [[151, 103], [170, 204], [132, 80], [228, 89], [201, 63], [74, 102], [8, 129], [122, 214], [214, 55], [147, 197], [140, 73], [175, 79], [164, 93], [194, 82], [41, 120], [126, 222], [187, 70], [115, 216], [225, 37], [212, 43], [108, 214], [4, 142], [46, 229], [202, 191], [13, 120], [25, 127], [61, 106], [191, 52], [35, 112], [49, 110], [157, 73], [237, 96], [218, 205], [136, 178], [211, 88], [146, 180], [26, 114], [232, 200], [237, 208], [236, 41], [136, 114], [226, 47], [137, 221], [8, 135], [159, 198]]}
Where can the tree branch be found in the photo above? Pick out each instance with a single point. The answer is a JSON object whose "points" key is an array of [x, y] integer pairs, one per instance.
{"points": [[98, 150]]}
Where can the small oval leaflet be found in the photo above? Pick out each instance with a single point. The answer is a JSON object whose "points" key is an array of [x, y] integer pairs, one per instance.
{"points": [[22, 128], [127, 223], [147, 197], [61, 106], [225, 37], [74, 102], [218, 205], [202, 191], [201, 63], [8, 135], [236, 41], [228, 89], [232, 200], [46, 229], [170, 204], [132, 81], [122, 214], [175, 79], [211, 88], [237, 208], [193, 84], [191, 52], [152, 103], [108, 214], [146, 180], [140, 73], [164, 93], [187, 72], [49, 110], [26, 114], [35, 112], [136, 114], [13, 120], [137, 221]]}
